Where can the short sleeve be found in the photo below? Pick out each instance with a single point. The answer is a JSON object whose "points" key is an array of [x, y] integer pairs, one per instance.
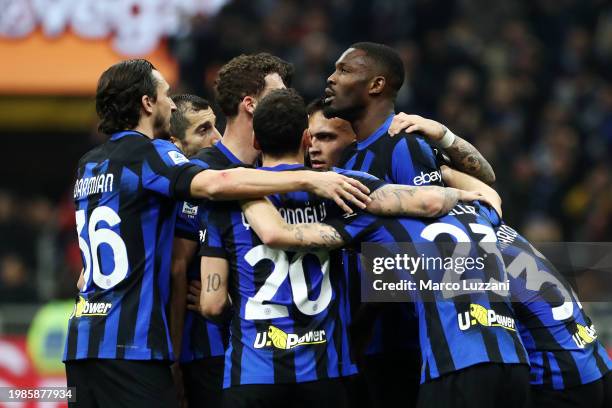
{"points": [[163, 166], [368, 180], [210, 218], [187, 221], [414, 163], [355, 227], [489, 213]]}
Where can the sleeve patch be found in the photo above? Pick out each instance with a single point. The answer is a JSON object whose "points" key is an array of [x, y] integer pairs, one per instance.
{"points": [[177, 157], [189, 209]]}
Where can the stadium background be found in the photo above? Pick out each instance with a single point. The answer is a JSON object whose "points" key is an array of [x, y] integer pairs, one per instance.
{"points": [[528, 82]]}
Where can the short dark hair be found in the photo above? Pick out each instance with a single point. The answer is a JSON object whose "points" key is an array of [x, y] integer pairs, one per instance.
{"points": [[245, 75], [119, 93], [279, 122], [184, 103], [315, 106], [387, 60]]}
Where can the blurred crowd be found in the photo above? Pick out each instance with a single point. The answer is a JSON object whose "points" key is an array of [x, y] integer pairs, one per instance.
{"points": [[528, 82]]}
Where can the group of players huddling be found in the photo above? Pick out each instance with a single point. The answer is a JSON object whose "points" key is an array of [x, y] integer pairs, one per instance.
{"points": [[226, 271]]}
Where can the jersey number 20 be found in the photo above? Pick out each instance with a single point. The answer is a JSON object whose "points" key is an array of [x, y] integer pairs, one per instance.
{"points": [[255, 309]]}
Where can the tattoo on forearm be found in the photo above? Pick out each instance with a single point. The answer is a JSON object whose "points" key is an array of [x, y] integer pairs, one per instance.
{"points": [[466, 158], [213, 282], [314, 236], [451, 197]]}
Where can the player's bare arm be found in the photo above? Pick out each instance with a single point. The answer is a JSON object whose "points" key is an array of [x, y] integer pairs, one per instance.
{"points": [[214, 299], [410, 201], [458, 179], [183, 251], [241, 183], [81, 281], [275, 232], [464, 156]]}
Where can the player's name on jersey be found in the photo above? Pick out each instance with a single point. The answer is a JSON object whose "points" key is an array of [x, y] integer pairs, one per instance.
{"points": [[461, 209], [102, 183], [505, 235], [308, 214], [461, 287]]}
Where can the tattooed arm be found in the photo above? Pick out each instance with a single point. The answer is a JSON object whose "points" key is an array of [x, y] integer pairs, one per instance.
{"points": [[275, 232], [410, 201], [467, 159], [214, 298], [463, 155], [458, 179]]}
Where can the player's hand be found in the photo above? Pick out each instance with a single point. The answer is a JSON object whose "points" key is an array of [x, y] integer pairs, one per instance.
{"points": [[341, 189], [193, 296], [402, 122], [468, 196]]}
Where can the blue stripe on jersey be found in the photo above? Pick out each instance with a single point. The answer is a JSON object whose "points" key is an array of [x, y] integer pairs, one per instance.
{"points": [[557, 380], [227, 152], [253, 365], [402, 165], [145, 306], [152, 180], [367, 162], [108, 346]]}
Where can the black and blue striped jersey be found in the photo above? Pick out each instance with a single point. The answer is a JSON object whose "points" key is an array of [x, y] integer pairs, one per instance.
{"points": [[289, 323], [125, 197], [560, 338], [464, 329], [402, 159], [202, 338]]}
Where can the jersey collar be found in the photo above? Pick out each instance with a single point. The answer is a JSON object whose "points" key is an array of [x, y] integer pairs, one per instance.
{"points": [[227, 153], [283, 167], [119, 135], [377, 134]]}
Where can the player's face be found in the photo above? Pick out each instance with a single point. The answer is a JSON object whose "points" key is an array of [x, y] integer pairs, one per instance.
{"points": [[329, 138], [346, 92], [163, 108], [202, 132]]}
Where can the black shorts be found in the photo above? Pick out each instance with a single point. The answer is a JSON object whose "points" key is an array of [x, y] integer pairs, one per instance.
{"points": [[203, 381], [596, 394], [488, 385], [392, 378], [315, 394], [121, 383]]}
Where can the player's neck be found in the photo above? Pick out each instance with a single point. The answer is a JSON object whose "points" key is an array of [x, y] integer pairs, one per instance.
{"points": [[145, 128], [238, 138], [373, 117], [268, 161]]}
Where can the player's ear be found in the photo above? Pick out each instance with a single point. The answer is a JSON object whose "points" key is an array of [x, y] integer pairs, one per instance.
{"points": [[147, 103], [176, 142], [249, 103], [377, 85], [306, 140]]}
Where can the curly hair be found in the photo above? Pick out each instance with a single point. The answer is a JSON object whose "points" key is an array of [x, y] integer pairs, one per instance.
{"points": [[279, 122], [245, 75], [119, 93]]}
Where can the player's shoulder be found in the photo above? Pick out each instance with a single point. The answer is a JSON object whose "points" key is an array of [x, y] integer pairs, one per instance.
{"points": [[211, 157], [353, 173]]}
